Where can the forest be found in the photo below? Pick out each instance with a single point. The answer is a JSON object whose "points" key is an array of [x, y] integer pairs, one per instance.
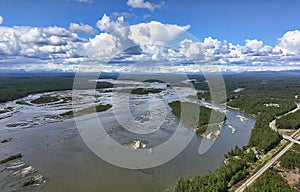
{"points": [[255, 100], [195, 116], [21, 85], [17, 86], [259, 90], [291, 159], [235, 169], [290, 121], [271, 181]]}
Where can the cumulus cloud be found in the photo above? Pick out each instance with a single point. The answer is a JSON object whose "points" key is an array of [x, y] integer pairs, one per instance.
{"points": [[118, 36], [1, 20], [155, 32], [82, 28], [42, 43], [144, 5], [254, 45], [151, 46], [113, 39], [253, 54], [289, 43]]}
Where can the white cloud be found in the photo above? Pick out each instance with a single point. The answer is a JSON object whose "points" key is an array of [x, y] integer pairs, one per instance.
{"points": [[118, 36], [115, 37], [41, 43], [83, 28], [254, 45], [192, 50], [144, 5], [289, 43], [155, 32], [152, 47], [103, 46], [254, 54], [9, 43], [1, 20]]}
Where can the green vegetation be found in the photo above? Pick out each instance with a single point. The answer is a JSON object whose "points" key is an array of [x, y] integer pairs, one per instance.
{"points": [[263, 138], [291, 159], [104, 85], [154, 81], [141, 91], [17, 86], [204, 95], [45, 99], [22, 103], [10, 158], [237, 162], [271, 181], [290, 121], [252, 101], [259, 89], [67, 114], [196, 116], [99, 108]]}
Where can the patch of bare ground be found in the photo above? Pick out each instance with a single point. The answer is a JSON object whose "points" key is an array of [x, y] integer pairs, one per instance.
{"points": [[286, 131], [292, 176]]}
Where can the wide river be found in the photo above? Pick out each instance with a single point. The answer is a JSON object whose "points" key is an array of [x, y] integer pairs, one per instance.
{"points": [[55, 148]]}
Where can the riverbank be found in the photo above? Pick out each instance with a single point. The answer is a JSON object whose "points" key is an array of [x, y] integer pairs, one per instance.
{"points": [[62, 151], [262, 140]]}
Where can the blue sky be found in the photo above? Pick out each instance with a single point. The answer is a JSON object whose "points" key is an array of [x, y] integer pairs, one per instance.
{"points": [[232, 21]]}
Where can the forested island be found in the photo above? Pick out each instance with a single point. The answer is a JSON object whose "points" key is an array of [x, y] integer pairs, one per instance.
{"points": [[199, 118]]}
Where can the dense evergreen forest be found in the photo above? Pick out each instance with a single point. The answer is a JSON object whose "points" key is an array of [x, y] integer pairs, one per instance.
{"points": [[271, 181], [20, 85], [17, 86], [233, 171], [290, 121], [291, 159], [196, 116], [258, 98], [264, 99]]}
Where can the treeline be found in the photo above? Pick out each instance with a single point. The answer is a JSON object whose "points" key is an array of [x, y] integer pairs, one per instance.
{"points": [[235, 170], [291, 159], [271, 181], [14, 87], [17, 86], [290, 121]]}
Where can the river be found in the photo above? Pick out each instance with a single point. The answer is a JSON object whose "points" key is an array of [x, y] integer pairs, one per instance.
{"points": [[55, 148]]}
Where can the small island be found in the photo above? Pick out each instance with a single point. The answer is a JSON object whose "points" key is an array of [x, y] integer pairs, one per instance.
{"points": [[88, 110], [141, 91], [199, 118]]}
